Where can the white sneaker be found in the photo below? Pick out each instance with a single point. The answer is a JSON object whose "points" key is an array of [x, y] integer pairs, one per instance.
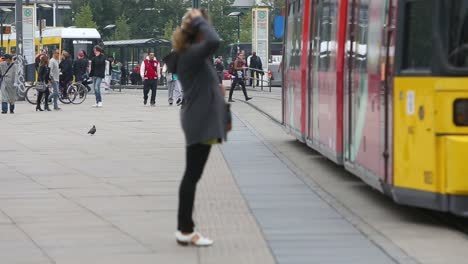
{"points": [[99, 104], [95, 105], [186, 240]]}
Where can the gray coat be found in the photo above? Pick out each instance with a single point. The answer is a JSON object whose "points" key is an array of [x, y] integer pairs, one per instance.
{"points": [[8, 88], [203, 110]]}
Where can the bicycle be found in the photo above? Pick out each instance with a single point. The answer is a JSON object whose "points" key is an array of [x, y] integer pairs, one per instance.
{"points": [[78, 91], [31, 95]]}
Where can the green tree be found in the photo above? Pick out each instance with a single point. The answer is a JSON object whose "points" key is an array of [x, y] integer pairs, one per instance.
{"points": [[84, 18], [153, 16], [122, 30], [224, 25], [246, 27], [276, 9], [276, 6], [168, 29]]}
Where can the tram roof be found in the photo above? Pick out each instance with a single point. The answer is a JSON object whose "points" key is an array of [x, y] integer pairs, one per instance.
{"points": [[72, 33], [137, 42]]}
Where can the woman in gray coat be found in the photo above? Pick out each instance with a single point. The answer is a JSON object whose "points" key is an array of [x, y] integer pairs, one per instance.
{"points": [[202, 111], [8, 88]]}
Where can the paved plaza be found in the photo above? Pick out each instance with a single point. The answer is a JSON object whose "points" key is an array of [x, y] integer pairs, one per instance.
{"points": [[68, 197]]}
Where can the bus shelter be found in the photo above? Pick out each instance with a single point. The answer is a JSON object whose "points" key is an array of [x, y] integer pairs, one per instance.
{"points": [[133, 51]]}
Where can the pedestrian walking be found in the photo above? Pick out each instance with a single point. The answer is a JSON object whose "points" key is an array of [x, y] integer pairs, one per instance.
{"points": [[37, 59], [66, 69], [55, 78], [248, 65], [239, 77], [135, 76], [174, 89], [98, 68], [219, 66], [124, 77], [202, 112], [44, 78], [107, 81], [256, 68], [80, 66], [116, 70], [7, 86], [149, 70]]}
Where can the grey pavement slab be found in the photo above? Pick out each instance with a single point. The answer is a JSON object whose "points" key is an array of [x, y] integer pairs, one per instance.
{"points": [[266, 101], [407, 234], [67, 197], [299, 227]]}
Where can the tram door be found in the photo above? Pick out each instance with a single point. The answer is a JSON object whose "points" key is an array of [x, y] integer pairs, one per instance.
{"points": [[322, 75], [356, 81], [366, 114]]}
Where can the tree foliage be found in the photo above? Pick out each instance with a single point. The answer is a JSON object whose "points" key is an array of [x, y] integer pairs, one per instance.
{"points": [[168, 29], [158, 18], [84, 18], [224, 25], [246, 26], [122, 30], [276, 6]]}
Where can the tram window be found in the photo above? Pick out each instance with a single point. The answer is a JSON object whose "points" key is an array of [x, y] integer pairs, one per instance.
{"points": [[460, 112], [50, 49], [458, 32], [418, 35]]}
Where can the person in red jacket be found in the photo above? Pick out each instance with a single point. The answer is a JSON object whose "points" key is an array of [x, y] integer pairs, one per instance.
{"points": [[149, 73]]}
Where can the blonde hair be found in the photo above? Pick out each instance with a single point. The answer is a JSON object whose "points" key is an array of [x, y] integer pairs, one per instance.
{"points": [[184, 35]]}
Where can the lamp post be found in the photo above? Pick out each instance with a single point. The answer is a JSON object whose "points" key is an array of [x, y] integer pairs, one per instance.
{"points": [[55, 12], [3, 10], [238, 15], [41, 27], [111, 27]]}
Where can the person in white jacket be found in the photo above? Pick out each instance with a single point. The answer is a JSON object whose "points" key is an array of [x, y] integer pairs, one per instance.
{"points": [[149, 71]]}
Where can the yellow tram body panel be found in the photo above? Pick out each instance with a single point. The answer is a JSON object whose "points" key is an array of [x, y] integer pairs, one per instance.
{"points": [[430, 151], [45, 41]]}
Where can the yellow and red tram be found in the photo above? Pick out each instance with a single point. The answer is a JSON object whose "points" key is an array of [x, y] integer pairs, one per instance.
{"points": [[381, 87]]}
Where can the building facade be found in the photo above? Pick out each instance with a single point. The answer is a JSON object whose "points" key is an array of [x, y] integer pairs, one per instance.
{"points": [[246, 3], [55, 12]]}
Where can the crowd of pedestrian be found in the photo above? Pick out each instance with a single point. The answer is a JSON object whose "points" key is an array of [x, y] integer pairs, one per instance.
{"points": [[194, 82]]}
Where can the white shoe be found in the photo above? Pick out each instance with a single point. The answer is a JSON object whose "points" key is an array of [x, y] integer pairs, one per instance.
{"points": [[95, 105], [99, 104], [186, 240]]}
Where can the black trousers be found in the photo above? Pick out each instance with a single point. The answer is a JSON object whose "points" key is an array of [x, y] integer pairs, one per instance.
{"points": [[63, 85], [254, 75], [220, 77], [241, 83], [196, 157], [150, 85], [44, 94]]}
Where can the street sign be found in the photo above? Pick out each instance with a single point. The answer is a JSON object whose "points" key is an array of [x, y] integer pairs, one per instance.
{"points": [[28, 34], [260, 34]]}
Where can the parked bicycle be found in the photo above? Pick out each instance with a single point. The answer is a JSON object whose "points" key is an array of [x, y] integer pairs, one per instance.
{"points": [[75, 93], [78, 91], [31, 95]]}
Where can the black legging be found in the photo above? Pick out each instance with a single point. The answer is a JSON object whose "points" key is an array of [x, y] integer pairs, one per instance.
{"points": [[241, 83], [46, 96], [196, 156]]}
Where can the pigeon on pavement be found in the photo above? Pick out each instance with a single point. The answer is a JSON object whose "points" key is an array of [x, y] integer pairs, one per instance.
{"points": [[92, 130]]}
